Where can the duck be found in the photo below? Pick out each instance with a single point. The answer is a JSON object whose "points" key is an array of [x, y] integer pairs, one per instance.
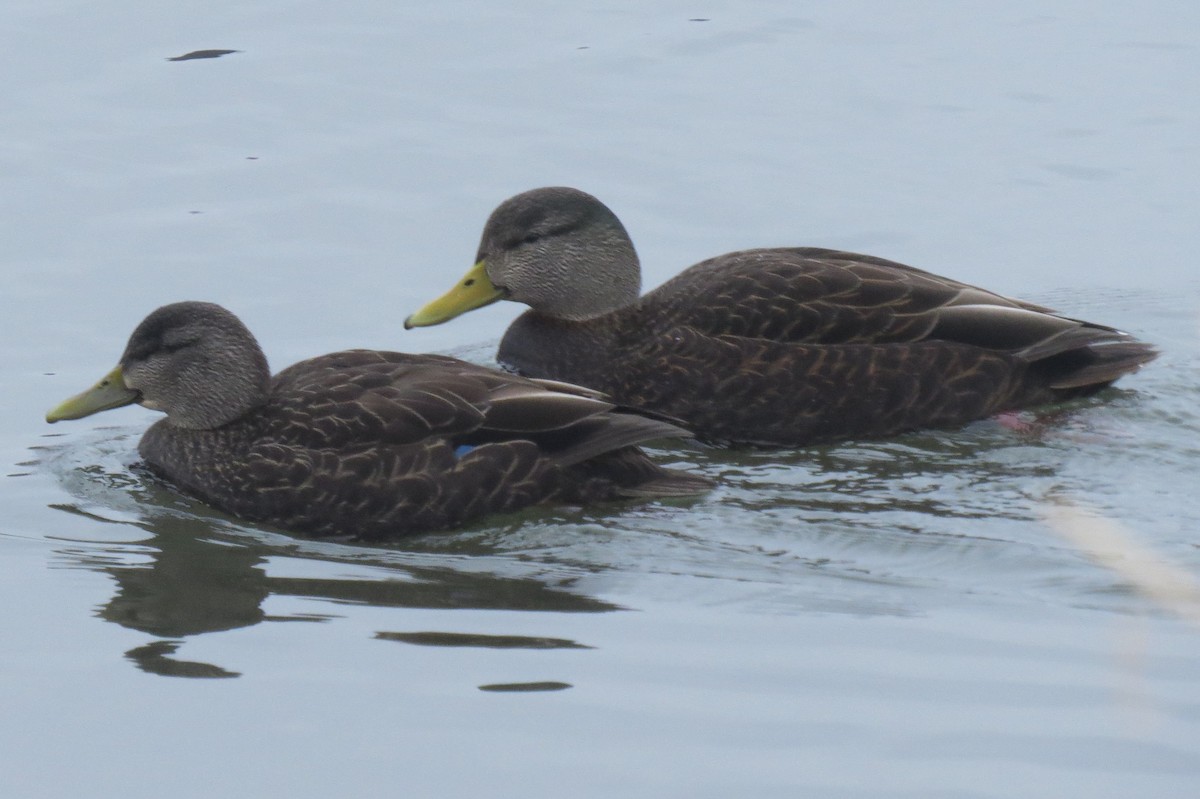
{"points": [[367, 444], [772, 347]]}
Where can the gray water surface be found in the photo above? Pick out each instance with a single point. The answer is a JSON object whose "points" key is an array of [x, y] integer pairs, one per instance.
{"points": [[893, 618]]}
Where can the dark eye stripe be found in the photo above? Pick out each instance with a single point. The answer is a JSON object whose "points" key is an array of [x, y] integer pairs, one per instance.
{"points": [[177, 346], [535, 236]]}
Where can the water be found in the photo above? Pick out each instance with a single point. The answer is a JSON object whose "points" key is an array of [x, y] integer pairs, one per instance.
{"points": [[875, 619]]}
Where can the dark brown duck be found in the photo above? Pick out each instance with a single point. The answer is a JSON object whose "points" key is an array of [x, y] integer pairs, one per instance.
{"points": [[785, 346], [367, 444]]}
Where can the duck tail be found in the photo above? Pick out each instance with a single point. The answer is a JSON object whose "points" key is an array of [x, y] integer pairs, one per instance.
{"points": [[1088, 358], [629, 473], [667, 483]]}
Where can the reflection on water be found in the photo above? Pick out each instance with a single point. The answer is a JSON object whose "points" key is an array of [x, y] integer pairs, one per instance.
{"points": [[524, 687], [155, 658], [192, 571], [876, 528], [487, 641], [202, 54]]}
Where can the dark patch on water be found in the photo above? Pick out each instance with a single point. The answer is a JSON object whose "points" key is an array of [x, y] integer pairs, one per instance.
{"points": [[154, 658], [481, 640], [202, 54], [525, 687]]}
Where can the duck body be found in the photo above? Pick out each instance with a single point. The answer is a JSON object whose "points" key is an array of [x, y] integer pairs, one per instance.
{"points": [[787, 346], [376, 445], [373, 445], [806, 346]]}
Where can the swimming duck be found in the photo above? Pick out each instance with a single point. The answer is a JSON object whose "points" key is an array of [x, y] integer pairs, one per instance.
{"points": [[776, 347], [367, 444]]}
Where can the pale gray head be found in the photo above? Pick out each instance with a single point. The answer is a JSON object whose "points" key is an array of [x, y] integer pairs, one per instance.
{"points": [[562, 252], [198, 363]]}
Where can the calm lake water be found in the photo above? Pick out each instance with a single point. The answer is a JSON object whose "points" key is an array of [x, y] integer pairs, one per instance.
{"points": [[899, 618]]}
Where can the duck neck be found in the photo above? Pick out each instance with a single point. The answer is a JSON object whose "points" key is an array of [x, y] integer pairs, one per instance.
{"points": [[540, 345]]}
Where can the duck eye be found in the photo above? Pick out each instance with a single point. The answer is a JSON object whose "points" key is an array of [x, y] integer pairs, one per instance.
{"points": [[172, 344], [530, 238]]}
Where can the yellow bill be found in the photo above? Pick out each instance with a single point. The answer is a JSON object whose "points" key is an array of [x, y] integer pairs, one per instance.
{"points": [[110, 392], [475, 290]]}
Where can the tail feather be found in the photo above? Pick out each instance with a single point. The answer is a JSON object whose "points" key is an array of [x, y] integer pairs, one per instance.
{"points": [[629, 473], [1107, 362], [613, 431], [670, 483], [1087, 356]]}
